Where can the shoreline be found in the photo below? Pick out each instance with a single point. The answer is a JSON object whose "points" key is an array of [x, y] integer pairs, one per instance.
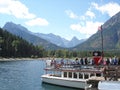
{"points": [[25, 59], [21, 59]]}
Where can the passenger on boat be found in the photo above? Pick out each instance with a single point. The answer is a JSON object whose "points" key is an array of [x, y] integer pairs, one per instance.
{"points": [[77, 61], [62, 61], [115, 60], [52, 62], [81, 61], [107, 61], [91, 61], [86, 61]]}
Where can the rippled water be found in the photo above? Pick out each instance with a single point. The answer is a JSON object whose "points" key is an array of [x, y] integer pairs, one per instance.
{"points": [[24, 75]]}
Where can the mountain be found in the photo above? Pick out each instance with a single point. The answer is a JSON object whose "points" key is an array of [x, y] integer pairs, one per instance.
{"points": [[111, 36], [45, 40], [55, 39], [74, 41], [23, 32]]}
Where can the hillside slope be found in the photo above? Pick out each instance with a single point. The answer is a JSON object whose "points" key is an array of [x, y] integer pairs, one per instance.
{"points": [[111, 36], [21, 31]]}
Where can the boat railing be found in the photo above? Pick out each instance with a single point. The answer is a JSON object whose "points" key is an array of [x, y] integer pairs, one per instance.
{"points": [[74, 67], [71, 66]]}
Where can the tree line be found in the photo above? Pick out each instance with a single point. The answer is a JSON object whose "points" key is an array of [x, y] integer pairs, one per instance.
{"points": [[15, 46]]}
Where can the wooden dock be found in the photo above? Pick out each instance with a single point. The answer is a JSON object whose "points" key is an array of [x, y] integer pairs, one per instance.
{"points": [[110, 73]]}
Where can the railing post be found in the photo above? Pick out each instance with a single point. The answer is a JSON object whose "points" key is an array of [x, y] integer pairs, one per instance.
{"points": [[116, 71]]}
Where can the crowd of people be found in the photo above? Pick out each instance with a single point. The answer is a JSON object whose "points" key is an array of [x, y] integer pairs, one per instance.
{"points": [[85, 61], [92, 61], [102, 61]]}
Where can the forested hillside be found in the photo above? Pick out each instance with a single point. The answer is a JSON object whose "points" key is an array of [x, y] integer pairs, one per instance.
{"points": [[14, 46], [23, 32]]}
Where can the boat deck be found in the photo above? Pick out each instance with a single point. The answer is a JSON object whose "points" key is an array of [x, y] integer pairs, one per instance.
{"points": [[110, 72]]}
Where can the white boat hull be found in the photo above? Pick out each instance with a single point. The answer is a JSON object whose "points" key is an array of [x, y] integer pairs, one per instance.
{"points": [[64, 81], [109, 85]]}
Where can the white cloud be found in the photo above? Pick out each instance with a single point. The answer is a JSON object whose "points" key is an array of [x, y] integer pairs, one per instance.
{"points": [[89, 28], [15, 8], [37, 22], [71, 14], [90, 14], [19, 10], [110, 8], [86, 26]]}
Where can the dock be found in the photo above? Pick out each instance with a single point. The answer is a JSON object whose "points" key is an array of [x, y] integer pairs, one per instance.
{"points": [[110, 73]]}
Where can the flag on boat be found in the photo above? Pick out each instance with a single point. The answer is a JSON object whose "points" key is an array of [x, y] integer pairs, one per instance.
{"points": [[100, 27]]}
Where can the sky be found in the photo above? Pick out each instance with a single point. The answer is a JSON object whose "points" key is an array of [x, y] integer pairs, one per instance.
{"points": [[66, 18]]}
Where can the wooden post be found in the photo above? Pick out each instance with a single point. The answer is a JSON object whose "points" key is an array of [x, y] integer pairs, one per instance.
{"points": [[116, 71], [105, 73]]}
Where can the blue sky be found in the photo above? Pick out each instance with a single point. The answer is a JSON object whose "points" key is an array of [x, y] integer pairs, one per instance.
{"points": [[66, 18]]}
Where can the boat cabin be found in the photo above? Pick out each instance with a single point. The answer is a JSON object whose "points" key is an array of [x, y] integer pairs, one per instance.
{"points": [[72, 71]]}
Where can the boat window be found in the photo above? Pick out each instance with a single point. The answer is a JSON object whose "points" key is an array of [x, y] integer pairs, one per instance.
{"points": [[80, 75], [58, 74], [75, 75], [86, 76], [65, 74], [98, 75], [92, 75], [70, 74]]}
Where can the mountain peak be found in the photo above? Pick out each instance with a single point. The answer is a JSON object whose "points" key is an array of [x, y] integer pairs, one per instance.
{"points": [[23, 32], [12, 24], [74, 39], [16, 26]]}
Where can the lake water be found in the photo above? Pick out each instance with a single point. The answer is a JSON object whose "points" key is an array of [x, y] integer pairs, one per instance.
{"points": [[24, 75]]}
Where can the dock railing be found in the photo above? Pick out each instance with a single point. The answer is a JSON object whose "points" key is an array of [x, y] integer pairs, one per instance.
{"points": [[112, 72]]}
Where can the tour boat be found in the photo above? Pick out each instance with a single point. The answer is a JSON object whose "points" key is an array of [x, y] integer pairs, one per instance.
{"points": [[83, 75], [69, 75]]}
